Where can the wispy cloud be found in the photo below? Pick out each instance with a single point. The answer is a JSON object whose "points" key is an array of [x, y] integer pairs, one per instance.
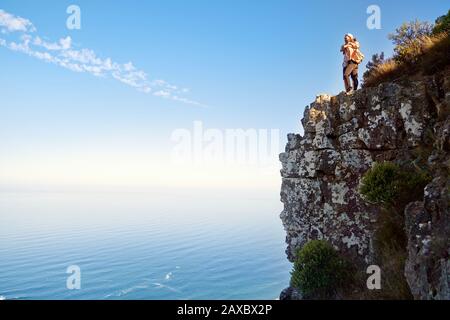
{"points": [[63, 54], [11, 23]]}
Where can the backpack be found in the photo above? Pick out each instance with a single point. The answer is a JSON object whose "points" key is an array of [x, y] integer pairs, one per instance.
{"points": [[357, 56]]}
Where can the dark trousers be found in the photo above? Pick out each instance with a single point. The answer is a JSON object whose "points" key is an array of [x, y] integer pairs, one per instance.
{"points": [[351, 70]]}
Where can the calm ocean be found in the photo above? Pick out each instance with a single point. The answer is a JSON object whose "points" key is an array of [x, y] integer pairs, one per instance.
{"points": [[142, 245]]}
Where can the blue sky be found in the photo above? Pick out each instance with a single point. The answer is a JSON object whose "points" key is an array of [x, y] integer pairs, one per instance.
{"points": [[254, 64]]}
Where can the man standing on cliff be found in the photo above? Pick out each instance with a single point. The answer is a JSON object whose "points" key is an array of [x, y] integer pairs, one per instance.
{"points": [[352, 58]]}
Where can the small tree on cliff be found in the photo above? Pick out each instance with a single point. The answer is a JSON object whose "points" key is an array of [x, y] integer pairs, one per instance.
{"points": [[407, 39], [442, 24], [377, 60]]}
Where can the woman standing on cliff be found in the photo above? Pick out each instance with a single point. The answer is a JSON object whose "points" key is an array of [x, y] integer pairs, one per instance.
{"points": [[352, 58]]}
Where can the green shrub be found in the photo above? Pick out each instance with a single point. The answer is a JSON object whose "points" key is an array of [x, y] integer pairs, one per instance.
{"points": [[410, 53], [319, 270], [442, 24], [407, 39], [386, 183], [378, 185]]}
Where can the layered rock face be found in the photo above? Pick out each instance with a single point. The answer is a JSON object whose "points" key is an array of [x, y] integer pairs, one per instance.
{"points": [[427, 268], [343, 137]]}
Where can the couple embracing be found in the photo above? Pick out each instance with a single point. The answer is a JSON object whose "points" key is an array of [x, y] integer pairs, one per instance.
{"points": [[352, 58]]}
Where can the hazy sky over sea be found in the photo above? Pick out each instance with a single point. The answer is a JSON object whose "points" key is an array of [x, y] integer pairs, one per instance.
{"points": [[98, 107]]}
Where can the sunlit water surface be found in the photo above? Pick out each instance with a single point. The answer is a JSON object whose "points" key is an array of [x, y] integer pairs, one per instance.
{"points": [[152, 245]]}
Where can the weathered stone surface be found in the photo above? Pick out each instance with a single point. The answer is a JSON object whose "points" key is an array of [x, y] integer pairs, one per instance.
{"points": [[291, 293], [343, 137], [427, 222], [427, 268]]}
